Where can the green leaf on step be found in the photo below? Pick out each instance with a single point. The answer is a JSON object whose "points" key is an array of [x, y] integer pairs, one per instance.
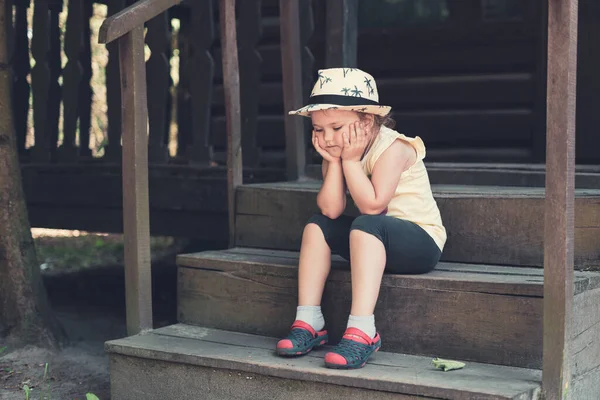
{"points": [[91, 396], [447, 365]]}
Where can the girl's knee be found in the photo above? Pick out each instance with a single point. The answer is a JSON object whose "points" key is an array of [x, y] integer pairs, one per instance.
{"points": [[368, 224]]}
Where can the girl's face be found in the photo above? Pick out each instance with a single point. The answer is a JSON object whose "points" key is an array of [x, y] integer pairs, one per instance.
{"points": [[328, 126]]}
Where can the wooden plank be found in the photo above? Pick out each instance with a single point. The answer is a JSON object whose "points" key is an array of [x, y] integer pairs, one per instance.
{"points": [[416, 60], [489, 90], [201, 75], [157, 380], [559, 209], [460, 323], [485, 224], [472, 128], [250, 31], [85, 89], [113, 93], [138, 290], [342, 33], [231, 83], [55, 95], [72, 77], [292, 82], [21, 67], [44, 148], [158, 83], [198, 225], [585, 346], [399, 374], [130, 18]]}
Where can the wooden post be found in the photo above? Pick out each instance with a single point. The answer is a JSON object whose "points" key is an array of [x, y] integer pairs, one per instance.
{"points": [[559, 203], [342, 33], [292, 87], [231, 91], [136, 214]]}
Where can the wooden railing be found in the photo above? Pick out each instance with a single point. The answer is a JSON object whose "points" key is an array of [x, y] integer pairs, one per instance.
{"points": [[127, 29], [190, 110]]}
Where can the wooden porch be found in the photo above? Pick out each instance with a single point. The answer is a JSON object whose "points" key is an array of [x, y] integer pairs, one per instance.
{"points": [[526, 332]]}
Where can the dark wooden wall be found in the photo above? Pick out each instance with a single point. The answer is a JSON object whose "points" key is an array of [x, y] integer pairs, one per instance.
{"points": [[468, 77]]}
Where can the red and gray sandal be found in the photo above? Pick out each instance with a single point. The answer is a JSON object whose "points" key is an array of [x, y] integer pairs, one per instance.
{"points": [[353, 351], [301, 340]]}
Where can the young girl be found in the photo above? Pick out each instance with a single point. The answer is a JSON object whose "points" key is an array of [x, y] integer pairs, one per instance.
{"points": [[399, 230]]}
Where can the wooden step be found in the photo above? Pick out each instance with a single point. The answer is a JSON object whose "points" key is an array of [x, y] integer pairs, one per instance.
{"points": [[189, 362], [477, 313], [485, 224]]}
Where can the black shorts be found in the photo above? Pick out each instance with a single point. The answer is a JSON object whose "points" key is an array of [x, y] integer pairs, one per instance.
{"points": [[409, 249]]}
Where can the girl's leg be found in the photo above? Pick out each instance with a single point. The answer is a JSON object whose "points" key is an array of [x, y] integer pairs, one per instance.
{"points": [[321, 235], [377, 242]]}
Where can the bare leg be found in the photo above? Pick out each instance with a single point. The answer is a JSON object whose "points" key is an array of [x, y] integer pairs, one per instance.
{"points": [[315, 263], [367, 260]]}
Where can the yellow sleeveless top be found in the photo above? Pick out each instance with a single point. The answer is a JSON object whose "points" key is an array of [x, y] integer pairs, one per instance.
{"points": [[412, 200]]}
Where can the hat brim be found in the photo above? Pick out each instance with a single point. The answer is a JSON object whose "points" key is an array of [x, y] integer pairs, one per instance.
{"points": [[368, 109]]}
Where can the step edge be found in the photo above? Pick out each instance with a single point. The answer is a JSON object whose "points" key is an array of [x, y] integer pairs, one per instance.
{"points": [[124, 347]]}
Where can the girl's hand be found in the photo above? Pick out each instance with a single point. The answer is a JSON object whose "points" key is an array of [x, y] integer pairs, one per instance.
{"points": [[324, 153], [355, 142]]}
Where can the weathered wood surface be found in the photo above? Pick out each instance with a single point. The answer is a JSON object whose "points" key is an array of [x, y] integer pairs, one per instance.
{"points": [[291, 61], [250, 65], [158, 380], [231, 82], [113, 92], [73, 77], [44, 147], [485, 224], [158, 83], [472, 312], [559, 206], [490, 174], [253, 357], [342, 33], [21, 68], [131, 17], [136, 213]]}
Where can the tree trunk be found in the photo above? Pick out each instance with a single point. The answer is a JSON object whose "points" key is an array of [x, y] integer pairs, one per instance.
{"points": [[25, 315]]}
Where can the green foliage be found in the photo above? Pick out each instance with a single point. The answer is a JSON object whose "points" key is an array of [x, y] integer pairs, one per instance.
{"points": [[3, 349], [91, 396], [27, 392]]}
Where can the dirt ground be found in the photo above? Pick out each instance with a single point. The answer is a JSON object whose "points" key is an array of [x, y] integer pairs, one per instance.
{"points": [[89, 302]]}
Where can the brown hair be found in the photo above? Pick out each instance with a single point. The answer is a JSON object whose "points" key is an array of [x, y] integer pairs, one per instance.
{"points": [[379, 120]]}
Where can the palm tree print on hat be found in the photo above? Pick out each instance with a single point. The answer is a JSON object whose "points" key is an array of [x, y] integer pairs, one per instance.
{"points": [[323, 79], [346, 70], [368, 83], [345, 90], [356, 92]]}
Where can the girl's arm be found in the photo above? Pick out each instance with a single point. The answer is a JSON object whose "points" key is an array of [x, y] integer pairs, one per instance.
{"points": [[332, 196], [372, 196]]}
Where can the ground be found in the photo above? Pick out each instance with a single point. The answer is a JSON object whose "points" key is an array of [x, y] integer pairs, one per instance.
{"points": [[83, 274]]}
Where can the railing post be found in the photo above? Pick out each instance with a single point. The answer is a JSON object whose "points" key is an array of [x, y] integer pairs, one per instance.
{"points": [[292, 83], [559, 203], [342, 33], [136, 214], [231, 91]]}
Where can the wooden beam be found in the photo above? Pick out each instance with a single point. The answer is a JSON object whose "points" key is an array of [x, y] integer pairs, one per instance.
{"points": [[136, 216], [231, 83], [291, 61], [342, 33], [131, 17], [559, 203]]}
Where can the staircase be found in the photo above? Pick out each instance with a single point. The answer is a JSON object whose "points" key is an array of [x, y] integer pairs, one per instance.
{"points": [[482, 305]]}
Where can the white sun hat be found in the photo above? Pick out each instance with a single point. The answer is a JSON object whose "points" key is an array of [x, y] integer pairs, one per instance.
{"points": [[344, 89]]}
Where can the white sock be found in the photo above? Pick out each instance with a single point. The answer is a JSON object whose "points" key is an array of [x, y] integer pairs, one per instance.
{"points": [[365, 324], [312, 315]]}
